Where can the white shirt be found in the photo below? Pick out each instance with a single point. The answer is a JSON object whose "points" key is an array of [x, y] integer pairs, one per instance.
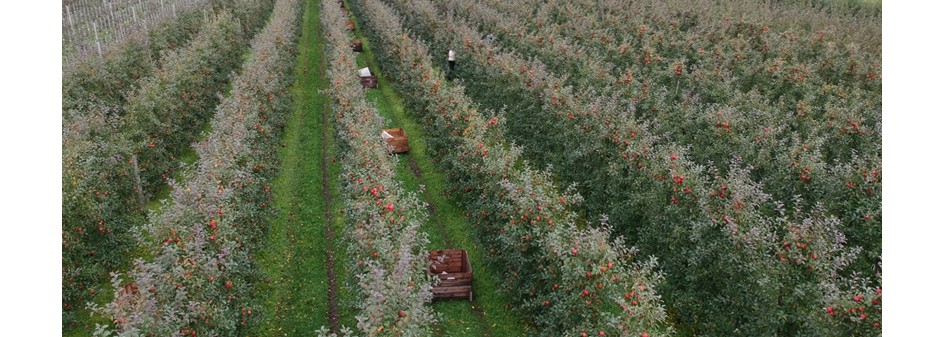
{"points": [[452, 55]]}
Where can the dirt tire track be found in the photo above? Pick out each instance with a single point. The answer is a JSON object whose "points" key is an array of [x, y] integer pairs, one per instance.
{"points": [[434, 216], [333, 317]]}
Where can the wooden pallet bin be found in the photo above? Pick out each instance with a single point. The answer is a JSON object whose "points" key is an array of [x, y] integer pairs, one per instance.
{"points": [[455, 274], [399, 142], [369, 82]]}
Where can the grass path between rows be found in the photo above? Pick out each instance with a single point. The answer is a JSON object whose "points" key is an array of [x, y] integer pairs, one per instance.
{"points": [[490, 313], [296, 293]]}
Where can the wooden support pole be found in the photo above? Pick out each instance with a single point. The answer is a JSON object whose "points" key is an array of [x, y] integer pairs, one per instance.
{"points": [[137, 171]]}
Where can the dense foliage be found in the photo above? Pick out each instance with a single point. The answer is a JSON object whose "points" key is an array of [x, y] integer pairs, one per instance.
{"points": [[692, 181], [202, 276], [109, 79], [571, 279], [710, 168], [111, 168], [385, 244], [725, 89]]}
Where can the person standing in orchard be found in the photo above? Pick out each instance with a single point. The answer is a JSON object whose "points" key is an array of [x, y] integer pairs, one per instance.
{"points": [[451, 57]]}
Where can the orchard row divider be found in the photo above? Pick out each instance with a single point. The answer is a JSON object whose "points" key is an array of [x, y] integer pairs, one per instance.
{"points": [[202, 277], [386, 245]]}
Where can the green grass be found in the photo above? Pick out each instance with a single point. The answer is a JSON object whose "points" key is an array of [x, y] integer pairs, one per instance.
{"points": [[490, 314], [103, 295], [295, 301]]}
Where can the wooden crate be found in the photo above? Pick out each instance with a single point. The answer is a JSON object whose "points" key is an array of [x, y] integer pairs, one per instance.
{"points": [[455, 274], [356, 46], [399, 142], [369, 82]]}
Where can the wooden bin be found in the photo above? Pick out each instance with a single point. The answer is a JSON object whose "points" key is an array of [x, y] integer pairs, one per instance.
{"points": [[351, 25], [456, 282], [369, 82], [399, 142], [356, 46]]}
